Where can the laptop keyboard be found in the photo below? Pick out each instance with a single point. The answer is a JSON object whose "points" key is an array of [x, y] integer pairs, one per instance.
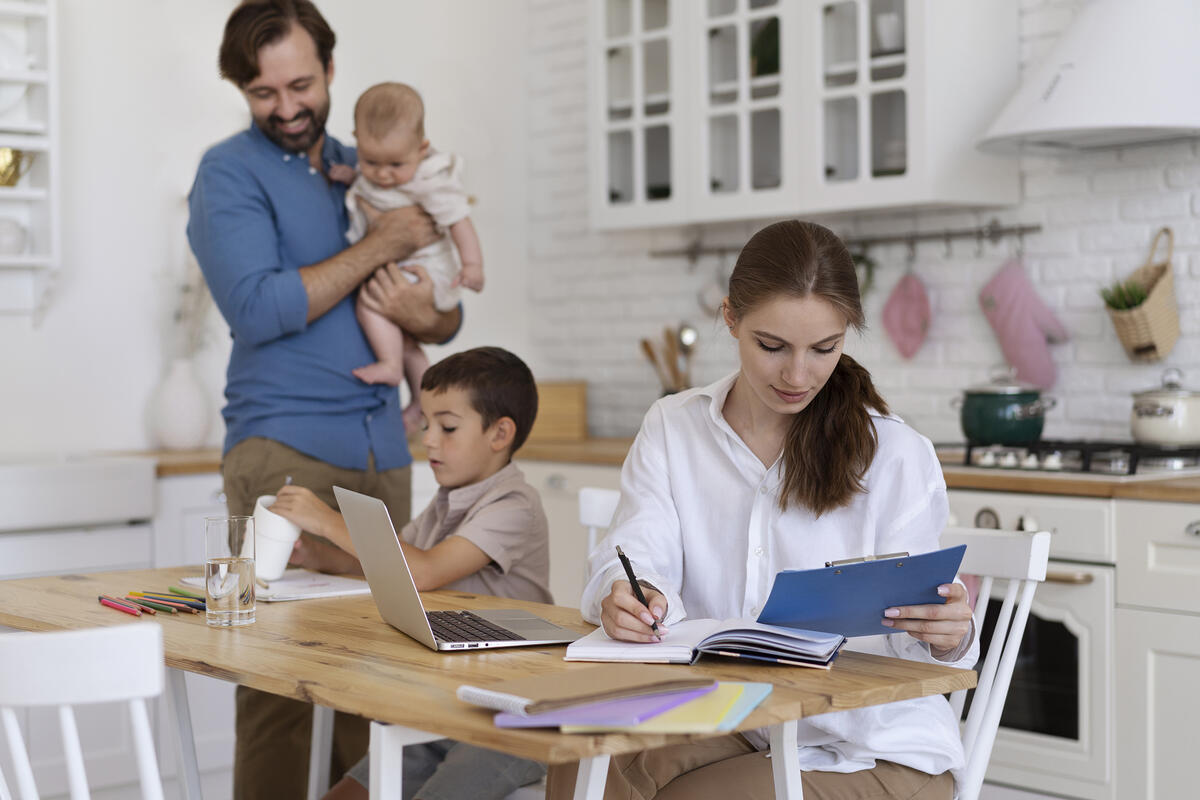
{"points": [[463, 626]]}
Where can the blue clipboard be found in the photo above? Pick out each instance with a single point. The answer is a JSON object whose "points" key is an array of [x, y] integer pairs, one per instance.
{"points": [[850, 598]]}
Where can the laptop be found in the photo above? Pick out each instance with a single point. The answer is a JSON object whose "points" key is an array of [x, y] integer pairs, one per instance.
{"points": [[399, 602]]}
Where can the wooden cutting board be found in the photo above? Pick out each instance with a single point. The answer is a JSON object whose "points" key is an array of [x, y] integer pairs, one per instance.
{"points": [[562, 412]]}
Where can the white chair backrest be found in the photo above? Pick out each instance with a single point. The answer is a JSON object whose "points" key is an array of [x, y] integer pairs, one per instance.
{"points": [[1019, 558], [67, 668], [596, 508]]}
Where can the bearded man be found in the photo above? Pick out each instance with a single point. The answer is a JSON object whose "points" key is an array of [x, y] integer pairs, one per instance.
{"points": [[268, 227]]}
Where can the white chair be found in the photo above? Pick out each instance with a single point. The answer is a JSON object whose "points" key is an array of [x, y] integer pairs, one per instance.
{"points": [[122, 663], [596, 509], [1019, 558]]}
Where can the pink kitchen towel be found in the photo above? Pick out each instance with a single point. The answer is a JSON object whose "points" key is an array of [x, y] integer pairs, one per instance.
{"points": [[1023, 324], [906, 315]]}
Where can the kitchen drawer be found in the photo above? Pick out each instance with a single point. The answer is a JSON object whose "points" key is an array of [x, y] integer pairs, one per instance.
{"points": [[1158, 555], [96, 549], [1081, 527]]}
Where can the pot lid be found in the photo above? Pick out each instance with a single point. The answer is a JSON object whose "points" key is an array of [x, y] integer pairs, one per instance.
{"points": [[1172, 386], [1003, 381]]}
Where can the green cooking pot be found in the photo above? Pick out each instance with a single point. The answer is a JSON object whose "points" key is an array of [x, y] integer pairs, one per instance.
{"points": [[1003, 411]]}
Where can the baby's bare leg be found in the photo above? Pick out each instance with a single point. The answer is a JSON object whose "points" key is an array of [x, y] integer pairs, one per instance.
{"points": [[387, 340], [415, 364]]}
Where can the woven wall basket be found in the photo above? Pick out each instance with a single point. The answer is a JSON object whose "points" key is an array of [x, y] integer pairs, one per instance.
{"points": [[1149, 331]]}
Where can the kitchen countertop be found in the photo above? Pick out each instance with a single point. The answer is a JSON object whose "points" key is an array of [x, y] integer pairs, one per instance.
{"points": [[611, 452]]}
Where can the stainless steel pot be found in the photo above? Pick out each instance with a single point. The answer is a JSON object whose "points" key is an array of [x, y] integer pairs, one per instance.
{"points": [[1167, 415]]}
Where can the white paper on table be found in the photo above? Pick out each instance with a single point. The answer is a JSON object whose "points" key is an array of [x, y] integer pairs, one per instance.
{"points": [[299, 584]]}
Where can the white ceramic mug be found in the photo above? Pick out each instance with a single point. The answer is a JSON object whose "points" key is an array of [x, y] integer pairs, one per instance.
{"points": [[274, 539], [889, 31], [12, 237]]}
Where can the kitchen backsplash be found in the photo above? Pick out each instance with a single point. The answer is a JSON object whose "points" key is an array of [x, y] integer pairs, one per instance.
{"points": [[594, 294]]}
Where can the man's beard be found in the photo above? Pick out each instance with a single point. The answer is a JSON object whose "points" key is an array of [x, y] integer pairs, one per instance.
{"points": [[272, 128]]}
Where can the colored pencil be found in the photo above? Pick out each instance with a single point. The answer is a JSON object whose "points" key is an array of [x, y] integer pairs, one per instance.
{"points": [[144, 605], [104, 601], [172, 598], [177, 603], [192, 593], [129, 602], [155, 605]]}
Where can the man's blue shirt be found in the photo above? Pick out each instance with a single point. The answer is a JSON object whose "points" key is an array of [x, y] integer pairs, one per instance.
{"points": [[257, 214]]}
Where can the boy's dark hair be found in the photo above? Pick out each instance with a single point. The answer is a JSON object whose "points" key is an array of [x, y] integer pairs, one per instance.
{"points": [[498, 383], [257, 23]]}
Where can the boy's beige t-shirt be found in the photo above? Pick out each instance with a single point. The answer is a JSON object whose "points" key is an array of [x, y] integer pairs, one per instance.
{"points": [[501, 515]]}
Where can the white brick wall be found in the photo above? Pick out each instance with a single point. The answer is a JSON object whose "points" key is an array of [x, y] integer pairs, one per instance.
{"points": [[597, 293]]}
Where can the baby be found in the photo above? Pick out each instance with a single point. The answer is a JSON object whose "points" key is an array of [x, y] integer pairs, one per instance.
{"points": [[397, 167]]}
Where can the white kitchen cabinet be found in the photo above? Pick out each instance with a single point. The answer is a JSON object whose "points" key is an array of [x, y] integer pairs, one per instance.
{"points": [[1159, 554], [183, 501], [559, 486], [728, 109], [29, 209], [1158, 702]]}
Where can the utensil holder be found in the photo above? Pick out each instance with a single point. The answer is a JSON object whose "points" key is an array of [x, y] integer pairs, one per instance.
{"points": [[1149, 331]]}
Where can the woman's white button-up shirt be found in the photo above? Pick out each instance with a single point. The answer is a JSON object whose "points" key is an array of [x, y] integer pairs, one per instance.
{"points": [[699, 517]]}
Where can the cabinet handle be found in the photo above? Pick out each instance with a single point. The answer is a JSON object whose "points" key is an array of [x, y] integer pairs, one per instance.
{"points": [[1072, 578], [557, 482]]}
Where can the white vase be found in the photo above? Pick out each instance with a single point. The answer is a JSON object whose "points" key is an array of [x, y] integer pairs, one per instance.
{"points": [[179, 412]]}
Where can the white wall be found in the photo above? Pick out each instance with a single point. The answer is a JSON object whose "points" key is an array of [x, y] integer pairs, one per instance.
{"points": [[140, 101], [595, 294]]}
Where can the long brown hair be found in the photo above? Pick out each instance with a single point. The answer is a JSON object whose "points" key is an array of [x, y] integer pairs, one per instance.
{"points": [[831, 443]]}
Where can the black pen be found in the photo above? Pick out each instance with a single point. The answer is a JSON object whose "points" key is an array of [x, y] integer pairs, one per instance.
{"points": [[637, 587]]}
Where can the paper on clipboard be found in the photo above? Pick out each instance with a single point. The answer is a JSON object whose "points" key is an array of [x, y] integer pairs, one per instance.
{"points": [[850, 598]]}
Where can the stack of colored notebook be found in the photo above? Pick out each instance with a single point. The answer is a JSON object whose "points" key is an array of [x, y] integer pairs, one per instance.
{"points": [[619, 698]]}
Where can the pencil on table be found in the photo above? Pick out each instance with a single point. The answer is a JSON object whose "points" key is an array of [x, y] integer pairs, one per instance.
{"points": [[104, 601], [192, 593], [153, 604], [174, 598], [130, 602], [177, 604]]}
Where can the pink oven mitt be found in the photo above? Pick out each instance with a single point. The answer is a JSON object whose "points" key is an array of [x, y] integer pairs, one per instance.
{"points": [[906, 315], [1023, 324]]}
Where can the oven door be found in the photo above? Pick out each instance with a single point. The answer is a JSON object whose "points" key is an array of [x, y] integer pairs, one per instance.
{"points": [[1055, 731]]}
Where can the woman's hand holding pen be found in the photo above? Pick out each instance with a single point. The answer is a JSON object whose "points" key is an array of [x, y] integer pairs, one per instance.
{"points": [[942, 625], [624, 618]]}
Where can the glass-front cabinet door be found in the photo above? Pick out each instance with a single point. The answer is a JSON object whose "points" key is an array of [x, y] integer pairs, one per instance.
{"points": [[637, 73], [863, 94], [744, 96]]}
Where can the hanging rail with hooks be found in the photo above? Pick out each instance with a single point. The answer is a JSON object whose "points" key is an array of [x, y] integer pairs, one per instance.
{"points": [[992, 232]]}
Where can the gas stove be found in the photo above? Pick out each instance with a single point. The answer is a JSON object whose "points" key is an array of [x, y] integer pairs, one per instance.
{"points": [[1107, 458]]}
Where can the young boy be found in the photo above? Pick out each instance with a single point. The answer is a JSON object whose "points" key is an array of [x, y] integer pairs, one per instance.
{"points": [[396, 168], [485, 532]]}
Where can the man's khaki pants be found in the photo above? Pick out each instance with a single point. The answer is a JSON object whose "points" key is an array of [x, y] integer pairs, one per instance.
{"points": [[273, 732]]}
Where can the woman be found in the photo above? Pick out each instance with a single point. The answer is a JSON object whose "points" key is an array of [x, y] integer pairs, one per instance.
{"points": [[790, 462]]}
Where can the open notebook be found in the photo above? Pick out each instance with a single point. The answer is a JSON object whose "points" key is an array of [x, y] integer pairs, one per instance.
{"points": [[688, 640]]}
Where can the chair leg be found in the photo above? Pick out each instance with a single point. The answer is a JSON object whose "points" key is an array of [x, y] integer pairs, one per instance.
{"points": [[784, 765], [387, 757], [320, 751], [593, 773], [189, 770]]}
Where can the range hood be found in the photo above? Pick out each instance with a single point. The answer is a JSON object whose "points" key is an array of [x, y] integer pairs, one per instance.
{"points": [[1124, 72]]}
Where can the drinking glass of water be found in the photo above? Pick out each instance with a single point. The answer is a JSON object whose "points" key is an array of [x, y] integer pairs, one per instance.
{"points": [[229, 570]]}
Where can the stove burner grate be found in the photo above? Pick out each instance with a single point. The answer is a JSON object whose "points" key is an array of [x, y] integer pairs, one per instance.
{"points": [[1131, 454]]}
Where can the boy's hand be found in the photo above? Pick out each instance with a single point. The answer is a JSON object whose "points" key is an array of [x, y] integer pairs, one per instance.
{"points": [[342, 173], [315, 554], [301, 506], [471, 276], [624, 618]]}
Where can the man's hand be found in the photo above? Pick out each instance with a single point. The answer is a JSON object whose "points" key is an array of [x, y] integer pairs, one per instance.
{"points": [[398, 233], [405, 296]]}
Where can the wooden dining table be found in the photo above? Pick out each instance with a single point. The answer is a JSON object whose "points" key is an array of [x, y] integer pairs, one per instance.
{"points": [[339, 654]]}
